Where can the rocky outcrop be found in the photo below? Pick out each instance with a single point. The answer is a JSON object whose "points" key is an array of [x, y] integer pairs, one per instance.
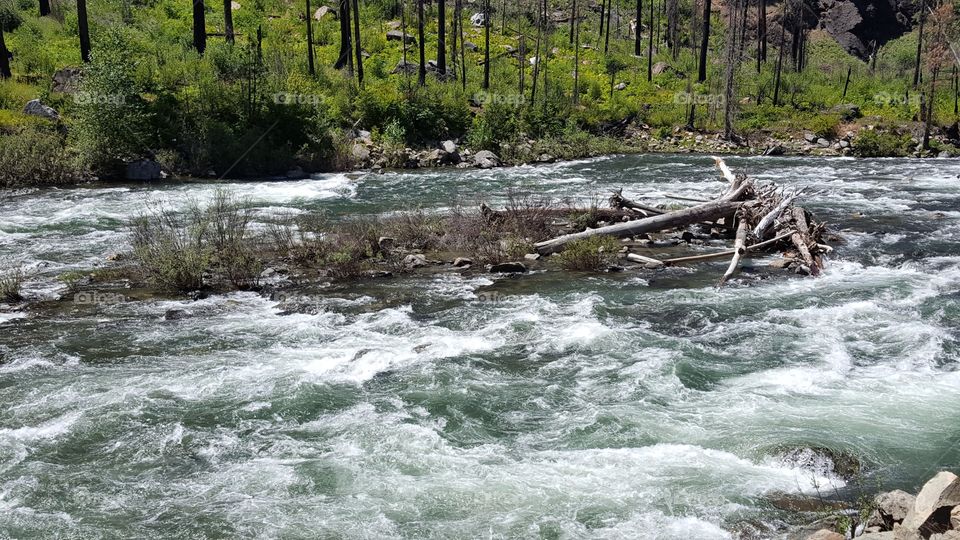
{"points": [[35, 107], [144, 170], [859, 24], [934, 514]]}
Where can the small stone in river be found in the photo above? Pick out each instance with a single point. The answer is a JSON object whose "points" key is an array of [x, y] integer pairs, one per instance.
{"points": [[462, 262], [532, 256], [175, 315], [508, 268]]}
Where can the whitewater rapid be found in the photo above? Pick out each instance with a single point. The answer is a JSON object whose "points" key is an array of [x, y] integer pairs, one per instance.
{"points": [[636, 405]]}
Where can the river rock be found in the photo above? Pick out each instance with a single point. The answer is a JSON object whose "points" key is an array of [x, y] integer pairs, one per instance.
{"points": [[462, 262], [810, 137], [826, 534], [360, 153], [824, 143], [892, 507], [416, 260], [820, 459], [774, 150], [955, 517], [66, 80], [35, 107], [508, 268], [932, 509], [486, 159], [449, 146], [398, 35], [144, 170], [175, 315]]}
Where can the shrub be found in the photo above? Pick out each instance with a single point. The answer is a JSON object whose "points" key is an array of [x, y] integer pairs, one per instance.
{"points": [[825, 125], [874, 143], [35, 155], [170, 249], [11, 285], [590, 254]]}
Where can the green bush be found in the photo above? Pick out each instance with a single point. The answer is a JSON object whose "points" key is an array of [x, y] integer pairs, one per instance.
{"points": [[592, 254], [36, 155], [876, 143], [11, 284]]}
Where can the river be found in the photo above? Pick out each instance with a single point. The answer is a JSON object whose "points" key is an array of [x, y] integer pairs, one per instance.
{"points": [[644, 404]]}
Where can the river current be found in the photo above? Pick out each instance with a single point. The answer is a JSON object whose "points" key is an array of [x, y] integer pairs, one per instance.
{"points": [[642, 404]]}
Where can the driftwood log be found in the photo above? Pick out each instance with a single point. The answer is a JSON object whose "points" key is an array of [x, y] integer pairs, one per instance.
{"points": [[760, 217]]}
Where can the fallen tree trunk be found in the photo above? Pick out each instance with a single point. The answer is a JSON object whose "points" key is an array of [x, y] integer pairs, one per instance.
{"points": [[711, 211], [739, 248], [726, 253]]}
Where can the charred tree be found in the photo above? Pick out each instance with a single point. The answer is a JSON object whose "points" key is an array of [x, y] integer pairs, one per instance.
{"points": [[83, 27], [704, 42], [345, 58], [44, 8], [442, 38], [228, 21], [637, 42], [310, 66], [422, 71], [356, 41], [4, 58], [199, 26], [486, 44]]}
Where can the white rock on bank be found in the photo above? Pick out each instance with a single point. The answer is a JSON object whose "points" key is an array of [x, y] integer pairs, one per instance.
{"points": [[943, 490]]}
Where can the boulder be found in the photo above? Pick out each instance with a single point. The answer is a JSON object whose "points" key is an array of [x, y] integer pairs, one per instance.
{"points": [[892, 507], [621, 86], [931, 511], [296, 173], [360, 153], [661, 67], [486, 159], [323, 11], [144, 170], [508, 268], [847, 111], [826, 534], [856, 24], [774, 150], [35, 107], [408, 67], [823, 460], [810, 137], [416, 260], [449, 146], [235, 6], [462, 262], [955, 517], [824, 143], [175, 315], [532, 256], [398, 35], [477, 19], [471, 46], [67, 80]]}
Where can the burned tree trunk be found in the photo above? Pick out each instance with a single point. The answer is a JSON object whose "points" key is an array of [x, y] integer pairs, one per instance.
{"points": [[441, 38], [310, 67], [356, 42], [4, 58], [44, 8], [228, 20], [199, 26], [422, 72], [345, 58], [83, 28], [704, 42]]}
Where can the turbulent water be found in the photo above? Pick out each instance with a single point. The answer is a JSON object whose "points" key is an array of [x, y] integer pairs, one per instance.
{"points": [[646, 404]]}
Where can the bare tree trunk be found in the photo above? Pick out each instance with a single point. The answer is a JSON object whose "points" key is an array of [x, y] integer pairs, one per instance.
{"points": [[603, 17], [4, 58], [422, 71], [606, 43], [522, 65], [486, 44], [403, 41], [637, 43], [442, 38], [310, 66], [650, 44], [463, 48], [346, 47], [199, 26], [673, 23], [453, 43], [917, 75], [761, 32], [776, 78], [84, 28], [704, 42], [44, 8], [356, 40], [573, 19], [576, 63], [846, 84], [228, 22], [705, 212], [536, 65], [732, 61]]}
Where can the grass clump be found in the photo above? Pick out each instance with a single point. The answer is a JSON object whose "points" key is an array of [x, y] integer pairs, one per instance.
{"points": [[35, 155], [592, 254], [11, 285], [180, 251]]}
